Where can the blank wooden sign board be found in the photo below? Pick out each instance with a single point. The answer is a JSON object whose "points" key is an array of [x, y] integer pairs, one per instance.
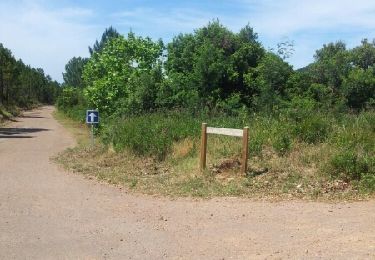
{"points": [[225, 131]]}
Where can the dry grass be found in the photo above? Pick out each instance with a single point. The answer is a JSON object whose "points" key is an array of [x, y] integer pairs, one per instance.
{"points": [[80, 131]]}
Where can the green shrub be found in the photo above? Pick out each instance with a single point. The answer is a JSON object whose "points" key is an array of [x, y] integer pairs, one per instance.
{"points": [[299, 109], [354, 137], [367, 183], [77, 113], [282, 143], [73, 103], [350, 165], [355, 132], [313, 129], [151, 134], [68, 98]]}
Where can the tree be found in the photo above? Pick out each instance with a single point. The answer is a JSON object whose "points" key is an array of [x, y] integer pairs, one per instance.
{"points": [[21, 85], [208, 67], [364, 56], [268, 81], [108, 34], [124, 75], [359, 87], [73, 72], [7, 72], [332, 65]]}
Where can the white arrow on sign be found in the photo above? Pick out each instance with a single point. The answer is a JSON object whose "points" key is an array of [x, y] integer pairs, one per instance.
{"points": [[92, 117]]}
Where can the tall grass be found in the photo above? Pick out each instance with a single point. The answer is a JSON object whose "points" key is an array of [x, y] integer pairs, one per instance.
{"points": [[354, 159], [351, 137]]}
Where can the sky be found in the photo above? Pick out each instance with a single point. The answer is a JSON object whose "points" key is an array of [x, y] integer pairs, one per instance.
{"points": [[48, 33]]}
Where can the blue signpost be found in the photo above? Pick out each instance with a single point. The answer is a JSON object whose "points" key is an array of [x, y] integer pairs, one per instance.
{"points": [[92, 118]]}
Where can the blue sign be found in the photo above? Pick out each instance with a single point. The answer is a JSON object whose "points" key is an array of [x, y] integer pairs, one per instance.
{"points": [[92, 117]]}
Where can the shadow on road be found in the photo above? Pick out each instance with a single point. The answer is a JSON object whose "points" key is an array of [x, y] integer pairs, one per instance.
{"points": [[31, 116], [19, 132]]}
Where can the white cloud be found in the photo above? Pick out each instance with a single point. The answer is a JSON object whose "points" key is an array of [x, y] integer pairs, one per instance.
{"points": [[43, 37], [161, 23], [48, 37], [276, 18], [310, 23]]}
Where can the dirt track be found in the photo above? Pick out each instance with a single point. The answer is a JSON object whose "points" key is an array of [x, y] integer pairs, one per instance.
{"points": [[46, 213]]}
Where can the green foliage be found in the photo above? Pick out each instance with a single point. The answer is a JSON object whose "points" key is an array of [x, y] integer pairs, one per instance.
{"points": [[208, 67], [282, 142], [127, 70], [152, 134], [350, 165], [219, 70], [68, 98], [72, 102], [268, 82], [367, 183], [359, 87], [73, 72], [23, 86], [313, 129], [363, 56], [300, 108], [355, 156], [228, 79], [332, 65], [305, 121], [107, 35]]}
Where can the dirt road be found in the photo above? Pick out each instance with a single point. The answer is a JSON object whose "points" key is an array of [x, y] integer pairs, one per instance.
{"points": [[46, 213]]}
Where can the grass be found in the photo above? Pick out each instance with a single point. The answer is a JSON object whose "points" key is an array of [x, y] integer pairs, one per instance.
{"points": [[283, 164], [80, 131], [6, 114]]}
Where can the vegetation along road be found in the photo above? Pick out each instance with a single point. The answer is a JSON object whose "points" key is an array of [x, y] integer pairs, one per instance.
{"points": [[48, 213]]}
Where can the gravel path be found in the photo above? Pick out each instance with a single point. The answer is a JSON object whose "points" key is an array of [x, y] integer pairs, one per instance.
{"points": [[46, 213]]}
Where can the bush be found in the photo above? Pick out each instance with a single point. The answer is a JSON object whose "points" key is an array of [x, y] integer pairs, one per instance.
{"points": [[367, 183], [282, 143], [354, 138], [73, 103], [349, 165], [68, 98], [355, 132], [151, 134], [307, 123], [313, 129]]}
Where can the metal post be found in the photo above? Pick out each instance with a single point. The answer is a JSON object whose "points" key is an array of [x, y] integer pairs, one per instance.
{"points": [[92, 135]]}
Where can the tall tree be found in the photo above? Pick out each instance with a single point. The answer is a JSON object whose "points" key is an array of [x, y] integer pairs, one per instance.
{"points": [[331, 65], [108, 34], [208, 67], [363, 56], [124, 75], [359, 87], [21, 85], [73, 72]]}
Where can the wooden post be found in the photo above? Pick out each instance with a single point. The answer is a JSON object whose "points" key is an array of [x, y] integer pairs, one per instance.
{"points": [[203, 147], [245, 148]]}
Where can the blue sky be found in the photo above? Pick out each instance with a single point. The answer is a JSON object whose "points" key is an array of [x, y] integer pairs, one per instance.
{"points": [[47, 33]]}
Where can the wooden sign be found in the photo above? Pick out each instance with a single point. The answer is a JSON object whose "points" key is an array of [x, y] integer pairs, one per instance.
{"points": [[229, 132], [225, 131]]}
